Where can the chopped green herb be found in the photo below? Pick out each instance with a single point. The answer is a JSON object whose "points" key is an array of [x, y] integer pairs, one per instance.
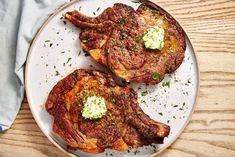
{"points": [[68, 60], [62, 52], [94, 13], [134, 47], [65, 22], [122, 47], [144, 93], [137, 39], [79, 53], [189, 81], [109, 145], [74, 74], [98, 9], [80, 8], [136, 1], [121, 33], [106, 126], [51, 44], [47, 41], [57, 73], [84, 40], [154, 146], [160, 113], [156, 76], [121, 22], [136, 152], [168, 84], [75, 126], [154, 12], [175, 106], [174, 117], [114, 42]]}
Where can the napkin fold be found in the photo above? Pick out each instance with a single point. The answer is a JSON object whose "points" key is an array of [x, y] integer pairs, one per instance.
{"points": [[19, 22]]}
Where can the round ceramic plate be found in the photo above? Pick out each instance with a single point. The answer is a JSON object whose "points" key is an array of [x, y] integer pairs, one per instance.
{"points": [[56, 52]]}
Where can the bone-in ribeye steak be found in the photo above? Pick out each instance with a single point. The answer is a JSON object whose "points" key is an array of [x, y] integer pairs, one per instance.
{"points": [[123, 125], [114, 39]]}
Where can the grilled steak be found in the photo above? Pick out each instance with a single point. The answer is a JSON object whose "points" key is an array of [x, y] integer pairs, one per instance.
{"points": [[114, 39], [123, 125]]}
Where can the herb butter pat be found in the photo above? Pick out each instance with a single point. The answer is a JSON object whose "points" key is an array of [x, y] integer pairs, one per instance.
{"points": [[94, 107], [153, 38]]}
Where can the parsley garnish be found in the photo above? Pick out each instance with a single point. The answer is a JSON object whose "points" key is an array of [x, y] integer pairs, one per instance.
{"points": [[85, 40], [75, 126], [136, 1], [68, 60], [144, 93], [121, 22], [156, 76], [109, 145], [137, 39], [134, 47], [189, 81], [160, 113], [57, 73], [122, 47], [136, 152], [114, 42], [168, 84], [154, 12], [79, 52]]}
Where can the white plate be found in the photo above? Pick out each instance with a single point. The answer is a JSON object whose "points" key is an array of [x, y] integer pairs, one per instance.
{"points": [[55, 52]]}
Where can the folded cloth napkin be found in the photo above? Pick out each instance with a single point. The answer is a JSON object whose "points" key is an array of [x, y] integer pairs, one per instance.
{"points": [[19, 22]]}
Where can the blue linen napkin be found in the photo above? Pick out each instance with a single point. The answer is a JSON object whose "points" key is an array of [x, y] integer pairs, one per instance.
{"points": [[19, 22]]}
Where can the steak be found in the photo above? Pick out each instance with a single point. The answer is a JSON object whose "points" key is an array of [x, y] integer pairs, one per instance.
{"points": [[123, 125], [114, 39]]}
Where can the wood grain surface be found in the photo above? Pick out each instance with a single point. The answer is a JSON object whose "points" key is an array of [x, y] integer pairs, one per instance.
{"points": [[210, 25]]}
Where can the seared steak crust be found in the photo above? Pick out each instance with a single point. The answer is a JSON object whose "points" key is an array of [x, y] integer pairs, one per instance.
{"points": [[125, 124], [114, 39]]}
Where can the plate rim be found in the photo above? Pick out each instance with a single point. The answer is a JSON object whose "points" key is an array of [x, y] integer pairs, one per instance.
{"points": [[48, 19]]}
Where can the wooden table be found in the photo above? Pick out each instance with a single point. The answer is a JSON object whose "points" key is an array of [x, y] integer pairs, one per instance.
{"points": [[211, 131]]}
